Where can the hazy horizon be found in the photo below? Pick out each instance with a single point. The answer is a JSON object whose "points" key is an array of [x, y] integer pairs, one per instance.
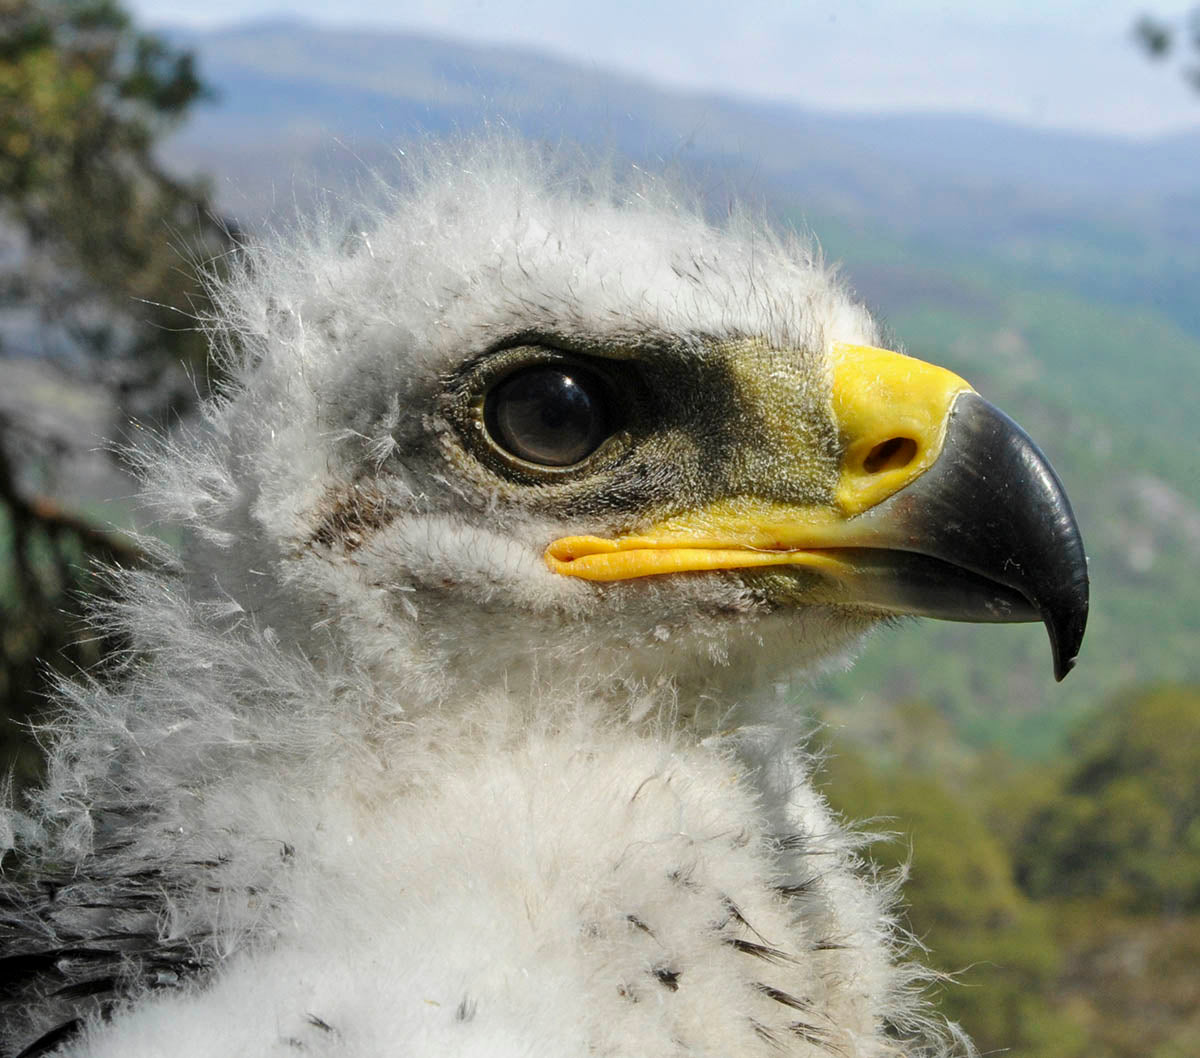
{"points": [[1071, 66]]}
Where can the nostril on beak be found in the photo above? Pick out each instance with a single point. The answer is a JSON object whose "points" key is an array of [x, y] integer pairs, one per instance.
{"points": [[893, 454]]}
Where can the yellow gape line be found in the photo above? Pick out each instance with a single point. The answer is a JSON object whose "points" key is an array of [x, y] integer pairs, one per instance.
{"points": [[594, 558], [891, 412]]}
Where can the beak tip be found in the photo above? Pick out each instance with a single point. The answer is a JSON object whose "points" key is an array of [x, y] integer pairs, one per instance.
{"points": [[1032, 546], [1061, 667], [1066, 637]]}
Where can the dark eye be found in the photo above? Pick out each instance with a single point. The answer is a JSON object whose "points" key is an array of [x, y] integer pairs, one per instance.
{"points": [[553, 415]]}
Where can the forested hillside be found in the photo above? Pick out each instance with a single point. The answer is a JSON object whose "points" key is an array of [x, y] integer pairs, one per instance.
{"points": [[1063, 899]]}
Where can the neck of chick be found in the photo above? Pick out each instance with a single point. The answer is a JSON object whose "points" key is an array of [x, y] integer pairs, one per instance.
{"points": [[558, 855], [562, 854]]}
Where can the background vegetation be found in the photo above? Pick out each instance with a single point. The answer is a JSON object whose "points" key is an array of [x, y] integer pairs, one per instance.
{"points": [[95, 286], [1062, 897], [1052, 835]]}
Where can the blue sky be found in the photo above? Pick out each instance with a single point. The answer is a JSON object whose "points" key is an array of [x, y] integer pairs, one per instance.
{"points": [[1068, 64]]}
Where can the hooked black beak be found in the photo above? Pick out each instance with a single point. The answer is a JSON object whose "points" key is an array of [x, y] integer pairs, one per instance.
{"points": [[995, 522]]}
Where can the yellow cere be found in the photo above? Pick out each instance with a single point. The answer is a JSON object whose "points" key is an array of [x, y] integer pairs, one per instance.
{"points": [[891, 411]]}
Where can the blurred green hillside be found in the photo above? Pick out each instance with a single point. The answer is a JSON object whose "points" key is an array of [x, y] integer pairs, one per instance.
{"points": [[1062, 899]]}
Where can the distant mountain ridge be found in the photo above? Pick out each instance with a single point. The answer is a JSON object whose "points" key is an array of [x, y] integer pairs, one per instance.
{"points": [[301, 106], [279, 79]]}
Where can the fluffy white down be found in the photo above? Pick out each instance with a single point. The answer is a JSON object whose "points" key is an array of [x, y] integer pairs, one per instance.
{"points": [[571, 896], [428, 798]]}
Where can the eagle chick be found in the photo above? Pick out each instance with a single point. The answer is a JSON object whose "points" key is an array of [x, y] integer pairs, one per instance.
{"points": [[457, 725]]}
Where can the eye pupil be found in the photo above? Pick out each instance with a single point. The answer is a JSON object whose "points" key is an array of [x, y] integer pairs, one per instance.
{"points": [[551, 415]]}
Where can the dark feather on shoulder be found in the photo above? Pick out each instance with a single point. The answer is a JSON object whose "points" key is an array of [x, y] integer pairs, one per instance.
{"points": [[72, 946]]}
